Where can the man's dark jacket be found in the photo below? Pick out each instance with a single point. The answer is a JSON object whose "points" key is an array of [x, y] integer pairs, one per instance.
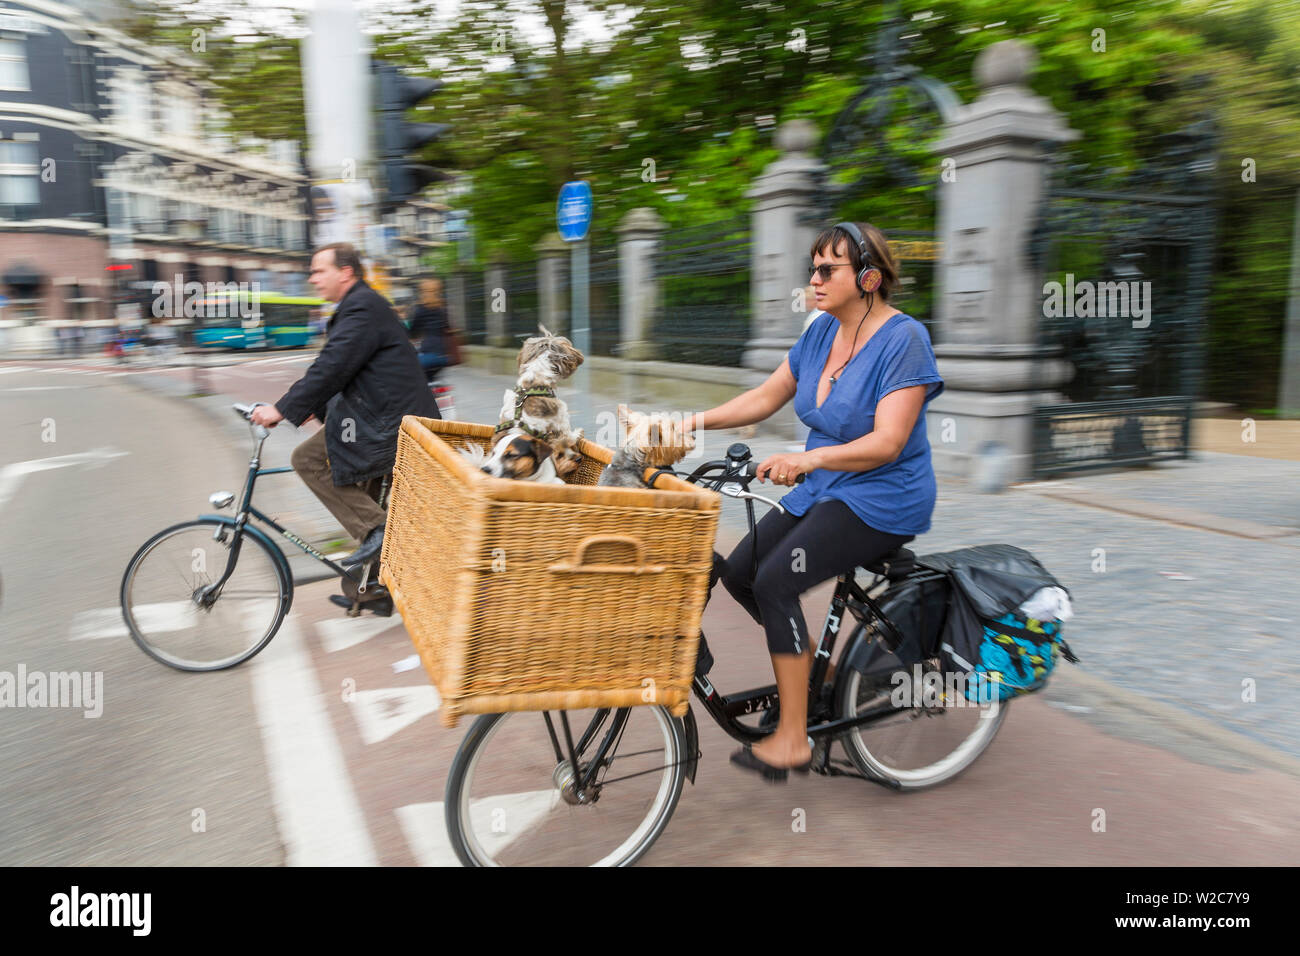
{"points": [[364, 380]]}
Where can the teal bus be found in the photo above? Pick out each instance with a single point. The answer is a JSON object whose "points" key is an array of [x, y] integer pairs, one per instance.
{"points": [[277, 321]]}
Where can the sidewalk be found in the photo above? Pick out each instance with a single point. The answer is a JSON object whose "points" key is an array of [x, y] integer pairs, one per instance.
{"points": [[1182, 574]]}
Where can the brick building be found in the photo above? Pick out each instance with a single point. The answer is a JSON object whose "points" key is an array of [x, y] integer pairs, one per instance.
{"points": [[115, 173]]}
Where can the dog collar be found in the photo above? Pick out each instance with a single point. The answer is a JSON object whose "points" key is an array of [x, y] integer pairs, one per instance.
{"points": [[522, 395]]}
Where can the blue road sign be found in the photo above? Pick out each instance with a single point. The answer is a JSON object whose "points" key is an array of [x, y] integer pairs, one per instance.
{"points": [[573, 211]]}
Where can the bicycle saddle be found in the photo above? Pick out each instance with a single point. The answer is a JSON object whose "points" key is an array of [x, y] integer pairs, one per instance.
{"points": [[895, 565]]}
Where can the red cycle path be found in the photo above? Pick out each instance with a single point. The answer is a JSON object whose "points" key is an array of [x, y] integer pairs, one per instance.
{"points": [[1032, 798]]}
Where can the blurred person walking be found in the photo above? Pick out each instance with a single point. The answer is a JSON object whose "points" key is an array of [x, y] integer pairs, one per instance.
{"points": [[431, 326], [364, 380]]}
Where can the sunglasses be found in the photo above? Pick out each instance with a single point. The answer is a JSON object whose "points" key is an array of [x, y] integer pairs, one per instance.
{"points": [[825, 269]]}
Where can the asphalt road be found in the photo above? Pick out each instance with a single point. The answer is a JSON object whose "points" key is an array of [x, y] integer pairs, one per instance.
{"points": [[172, 771], [321, 751]]}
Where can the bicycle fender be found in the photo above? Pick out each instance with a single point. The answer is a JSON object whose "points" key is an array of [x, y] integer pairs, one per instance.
{"points": [[281, 562], [867, 656], [692, 744]]}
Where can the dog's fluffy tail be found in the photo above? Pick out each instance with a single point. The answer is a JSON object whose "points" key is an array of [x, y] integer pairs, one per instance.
{"points": [[474, 454]]}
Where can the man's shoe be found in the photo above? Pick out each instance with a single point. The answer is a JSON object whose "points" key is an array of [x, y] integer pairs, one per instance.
{"points": [[368, 551], [382, 607]]}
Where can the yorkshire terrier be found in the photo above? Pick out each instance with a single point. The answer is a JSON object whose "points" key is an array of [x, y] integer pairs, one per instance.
{"points": [[532, 406], [652, 440]]}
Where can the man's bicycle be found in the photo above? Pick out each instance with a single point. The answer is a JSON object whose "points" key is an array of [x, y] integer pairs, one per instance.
{"points": [[597, 787], [208, 594]]}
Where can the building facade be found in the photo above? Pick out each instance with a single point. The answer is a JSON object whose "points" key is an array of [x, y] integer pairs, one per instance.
{"points": [[115, 173]]}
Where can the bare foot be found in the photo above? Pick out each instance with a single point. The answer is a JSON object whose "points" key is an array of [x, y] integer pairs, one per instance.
{"points": [[777, 752]]}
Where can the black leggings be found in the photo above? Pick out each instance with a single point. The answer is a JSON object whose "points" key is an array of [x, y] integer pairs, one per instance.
{"points": [[795, 554]]}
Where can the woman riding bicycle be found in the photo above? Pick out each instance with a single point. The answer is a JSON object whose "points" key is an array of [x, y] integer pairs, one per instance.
{"points": [[860, 376]]}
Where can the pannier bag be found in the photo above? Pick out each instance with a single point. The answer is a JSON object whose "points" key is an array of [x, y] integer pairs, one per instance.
{"points": [[986, 634]]}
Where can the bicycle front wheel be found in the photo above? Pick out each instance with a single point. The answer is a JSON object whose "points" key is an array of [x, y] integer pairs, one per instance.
{"points": [[513, 798], [174, 612]]}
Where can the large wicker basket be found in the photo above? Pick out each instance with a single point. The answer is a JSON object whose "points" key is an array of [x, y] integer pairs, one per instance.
{"points": [[522, 596]]}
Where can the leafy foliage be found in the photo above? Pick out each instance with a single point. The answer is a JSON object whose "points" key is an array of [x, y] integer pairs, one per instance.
{"points": [[673, 105]]}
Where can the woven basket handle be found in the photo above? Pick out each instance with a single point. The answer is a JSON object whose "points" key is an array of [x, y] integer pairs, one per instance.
{"points": [[579, 565]]}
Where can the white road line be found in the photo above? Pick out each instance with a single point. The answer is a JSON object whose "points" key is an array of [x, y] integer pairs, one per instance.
{"points": [[320, 819], [381, 713], [340, 633], [15, 368], [496, 821], [154, 618], [40, 388]]}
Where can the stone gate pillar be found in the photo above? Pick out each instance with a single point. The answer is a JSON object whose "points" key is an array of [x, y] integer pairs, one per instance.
{"points": [[638, 240], [989, 301], [782, 195], [494, 294], [552, 308], [454, 294]]}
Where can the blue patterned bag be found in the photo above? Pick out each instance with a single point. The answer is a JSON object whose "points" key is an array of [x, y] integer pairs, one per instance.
{"points": [[1016, 656]]}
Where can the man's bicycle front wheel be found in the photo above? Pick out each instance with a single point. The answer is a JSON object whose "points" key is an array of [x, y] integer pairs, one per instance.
{"points": [[513, 799], [174, 611]]}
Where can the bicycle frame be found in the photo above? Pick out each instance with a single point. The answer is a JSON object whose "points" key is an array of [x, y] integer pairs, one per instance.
{"points": [[726, 709], [247, 511]]}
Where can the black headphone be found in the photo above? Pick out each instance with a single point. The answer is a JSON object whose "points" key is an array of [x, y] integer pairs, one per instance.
{"points": [[865, 253]]}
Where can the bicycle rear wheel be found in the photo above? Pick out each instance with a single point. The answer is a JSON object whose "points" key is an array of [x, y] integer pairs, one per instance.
{"points": [[173, 614], [919, 746], [512, 800]]}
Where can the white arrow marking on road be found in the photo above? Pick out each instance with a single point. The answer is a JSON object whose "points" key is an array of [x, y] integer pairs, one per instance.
{"points": [[382, 713], [340, 633], [11, 476], [425, 827]]}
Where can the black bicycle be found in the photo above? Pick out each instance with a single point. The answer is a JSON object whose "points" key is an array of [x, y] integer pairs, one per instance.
{"points": [[598, 787], [208, 594]]}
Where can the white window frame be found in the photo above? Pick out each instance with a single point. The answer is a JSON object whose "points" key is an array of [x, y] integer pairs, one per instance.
{"points": [[20, 40], [25, 170]]}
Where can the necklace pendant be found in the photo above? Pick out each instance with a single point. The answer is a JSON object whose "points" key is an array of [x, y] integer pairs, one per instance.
{"points": [[832, 379]]}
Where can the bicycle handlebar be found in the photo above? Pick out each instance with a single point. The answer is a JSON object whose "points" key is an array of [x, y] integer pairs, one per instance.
{"points": [[246, 412]]}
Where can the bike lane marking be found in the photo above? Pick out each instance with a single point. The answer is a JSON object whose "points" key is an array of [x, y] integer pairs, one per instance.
{"points": [[100, 623], [424, 824], [320, 817]]}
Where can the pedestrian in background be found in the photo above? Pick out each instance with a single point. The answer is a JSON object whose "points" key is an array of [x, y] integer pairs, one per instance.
{"points": [[430, 326]]}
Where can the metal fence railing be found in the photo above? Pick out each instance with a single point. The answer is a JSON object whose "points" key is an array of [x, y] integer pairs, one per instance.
{"points": [[704, 309]]}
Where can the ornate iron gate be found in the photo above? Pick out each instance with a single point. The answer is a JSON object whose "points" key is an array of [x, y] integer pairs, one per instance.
{"points": [[880, 143], [1126, 261]]}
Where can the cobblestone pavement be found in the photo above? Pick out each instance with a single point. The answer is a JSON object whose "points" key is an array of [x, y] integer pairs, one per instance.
{"points": [[1261, 490], [1182, 615]]}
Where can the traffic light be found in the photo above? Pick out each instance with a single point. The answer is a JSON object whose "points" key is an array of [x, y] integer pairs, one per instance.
{"points": [[403, 177]]}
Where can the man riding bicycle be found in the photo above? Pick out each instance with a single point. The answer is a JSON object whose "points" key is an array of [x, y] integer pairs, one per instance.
{"points": [[363, 381]]}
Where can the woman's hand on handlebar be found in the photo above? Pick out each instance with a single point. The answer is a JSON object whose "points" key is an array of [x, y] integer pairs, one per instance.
{"points": [[786, 468]]}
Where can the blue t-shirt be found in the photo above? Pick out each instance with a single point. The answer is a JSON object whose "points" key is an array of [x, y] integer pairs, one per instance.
{"points": [[897, 497]]}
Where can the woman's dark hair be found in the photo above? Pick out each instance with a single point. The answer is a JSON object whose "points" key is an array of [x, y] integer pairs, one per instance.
{"points": [[878, 252]]}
